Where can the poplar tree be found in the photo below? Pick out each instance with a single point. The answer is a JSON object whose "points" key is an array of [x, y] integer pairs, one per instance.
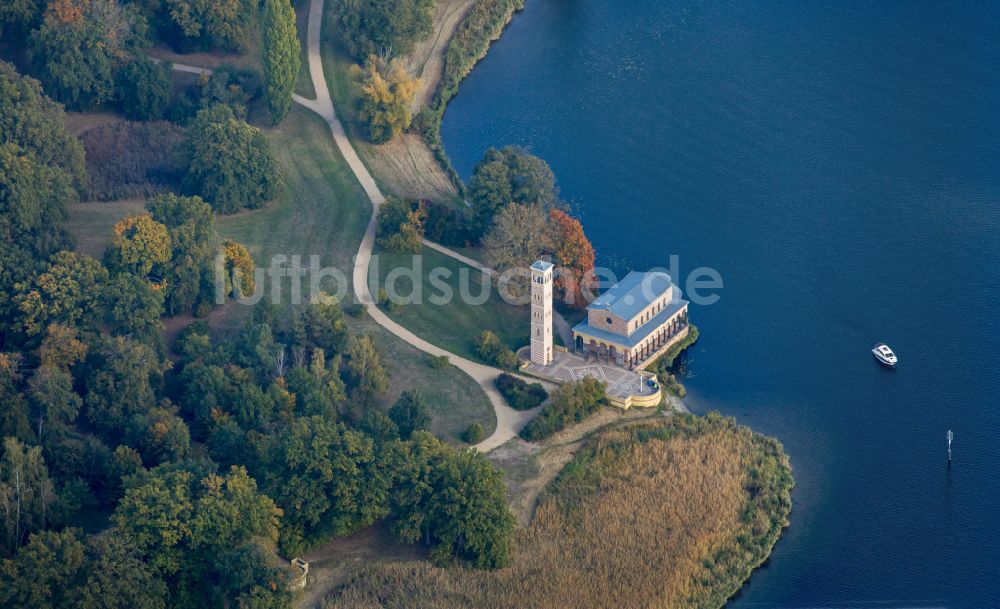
{"points": [[281, 56]]}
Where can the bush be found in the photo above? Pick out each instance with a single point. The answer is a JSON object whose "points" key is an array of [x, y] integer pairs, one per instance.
{"points": [[144, 89], [401, 226], [357, 311], [474, 434], [572, 403], [519, 394], [439, 362], [130, 159], [493, 351]]}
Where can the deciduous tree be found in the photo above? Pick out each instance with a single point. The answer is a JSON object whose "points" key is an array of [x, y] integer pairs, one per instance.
{"points": [[509, 175], [139, 244], [27, 495], [410, 414], [230, 163], [574, 255], [382, 26], [387, 91]]}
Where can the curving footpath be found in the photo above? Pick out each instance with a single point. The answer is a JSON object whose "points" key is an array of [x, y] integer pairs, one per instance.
{"points": [[509, 421]]}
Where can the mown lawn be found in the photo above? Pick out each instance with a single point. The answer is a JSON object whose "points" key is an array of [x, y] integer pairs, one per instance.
{"points": [[324, 212], [453, 326]]}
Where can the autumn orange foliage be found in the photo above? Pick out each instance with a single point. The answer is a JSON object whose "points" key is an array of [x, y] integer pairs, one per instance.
{"points": [[675, 514], [575, 255]]}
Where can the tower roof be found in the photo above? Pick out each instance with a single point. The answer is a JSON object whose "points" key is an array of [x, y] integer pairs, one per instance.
{"points": [[541, 265]]}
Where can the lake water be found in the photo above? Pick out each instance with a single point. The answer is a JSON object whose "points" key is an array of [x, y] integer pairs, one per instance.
{"points": [[839, 164]]}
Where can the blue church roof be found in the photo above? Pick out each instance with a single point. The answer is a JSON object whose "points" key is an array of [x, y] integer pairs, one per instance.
{"points": [[633, 293], [639, 335]]}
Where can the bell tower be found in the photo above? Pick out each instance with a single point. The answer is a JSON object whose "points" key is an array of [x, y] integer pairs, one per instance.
{"points": [[541, 312]]}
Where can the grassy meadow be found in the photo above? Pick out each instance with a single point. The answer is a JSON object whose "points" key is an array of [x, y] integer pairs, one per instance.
{"points": [[456, 325], [671, 514]]}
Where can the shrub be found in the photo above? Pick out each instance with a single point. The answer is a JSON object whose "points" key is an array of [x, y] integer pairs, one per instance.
{"points": [[572, 403], [493, 351], [474, 434], [130, 159], [519, 394], [357, 311], [144, 89], [439, 362]]}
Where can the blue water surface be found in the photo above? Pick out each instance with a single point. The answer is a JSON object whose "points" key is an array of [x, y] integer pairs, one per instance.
{"points": [[839, 164]]}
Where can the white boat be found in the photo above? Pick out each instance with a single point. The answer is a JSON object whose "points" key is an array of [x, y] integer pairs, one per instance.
{"points": [[884, 355]]}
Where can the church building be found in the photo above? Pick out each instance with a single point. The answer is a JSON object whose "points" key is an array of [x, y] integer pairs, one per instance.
{"points": [[635, 321]]}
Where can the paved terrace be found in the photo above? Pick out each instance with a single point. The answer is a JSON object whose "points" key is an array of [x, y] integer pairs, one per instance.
{"points": [[623, 384]]}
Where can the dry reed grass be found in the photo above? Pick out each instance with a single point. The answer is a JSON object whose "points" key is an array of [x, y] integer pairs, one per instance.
{"points": [[674, 514]]}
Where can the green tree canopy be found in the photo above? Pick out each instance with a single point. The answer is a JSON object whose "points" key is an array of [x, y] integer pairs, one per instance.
{"points": [[46, 573], [191, 227], [510, 175], [366, 374], [37, 124], [454, 501], [409, 413], [34, 199], [27, 491], [144, 88], [68, 292], [223, 24], [78, 46], [381, 26], [120, 382], [281, 56], [230, 163], [327, 478]]}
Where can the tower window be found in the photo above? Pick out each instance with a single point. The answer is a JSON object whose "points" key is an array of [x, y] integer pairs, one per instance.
{"points": [[609, 321]]}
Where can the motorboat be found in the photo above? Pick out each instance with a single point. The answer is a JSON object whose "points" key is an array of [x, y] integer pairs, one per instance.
{"points": [[884, 355]]}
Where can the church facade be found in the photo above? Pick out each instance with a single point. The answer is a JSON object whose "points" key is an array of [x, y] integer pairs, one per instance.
{"points": [[634, 321]]}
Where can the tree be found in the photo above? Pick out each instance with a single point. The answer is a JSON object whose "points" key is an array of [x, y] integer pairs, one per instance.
{"points": [[14, 414], [509, 175], [410, 414], [212, 23], [574, 255], [281, 56], [366, 374], [454, 501], [160, 434], [239, 269], [492, 350], [17, 17], [26, 493], [119, 383], [37, 124], [518, 237], [34, 200], [382, 26], [52, 397], [387, 92], [78, 45], [187, 521], [139, 244], [68, 293], [46, 573], [133, 308], [327, 479], [401, 226], [326, 328], [230, 164], [144, 88], [191, 227], [117, 577]]}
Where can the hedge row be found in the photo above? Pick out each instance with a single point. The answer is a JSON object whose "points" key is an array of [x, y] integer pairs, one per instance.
{"points": [[519, 394]]}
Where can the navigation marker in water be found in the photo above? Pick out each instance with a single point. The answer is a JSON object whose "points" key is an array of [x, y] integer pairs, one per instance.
{"points": [[951, 437]]}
